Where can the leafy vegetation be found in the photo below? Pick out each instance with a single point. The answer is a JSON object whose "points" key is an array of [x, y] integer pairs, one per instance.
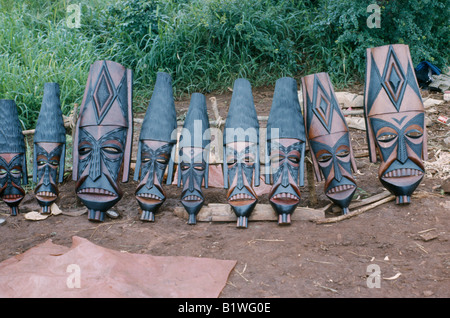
{"points": [[204, 44]]}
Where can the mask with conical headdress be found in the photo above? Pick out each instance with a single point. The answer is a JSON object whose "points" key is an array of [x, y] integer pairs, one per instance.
{"points": [[13, 163], [103, 137], [395, 119], [241, 152], [194, 156], [285, 149], [155, 148], [329, 139], [49, 148]]}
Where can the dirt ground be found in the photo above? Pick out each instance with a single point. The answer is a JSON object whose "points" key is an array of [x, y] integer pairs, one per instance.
{"points": [[409, 244]]}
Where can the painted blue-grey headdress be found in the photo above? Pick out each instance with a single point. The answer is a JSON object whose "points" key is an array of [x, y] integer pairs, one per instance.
{"points": [[13, 162], [329, 139], [194, 156], [285, 149], [49, 148], [241, 152], [155, 149], [395, 119]]}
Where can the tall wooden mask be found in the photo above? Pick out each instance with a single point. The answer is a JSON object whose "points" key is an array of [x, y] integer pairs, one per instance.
{"points": [[13, 162], [155, 149], [241, 152], [395, 119], [103, 137], [329, 139], [49, 148], [194, 156], [285, 149]]}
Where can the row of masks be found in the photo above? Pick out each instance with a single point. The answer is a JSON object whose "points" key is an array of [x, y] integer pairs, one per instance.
{"points": [[394, 116]]}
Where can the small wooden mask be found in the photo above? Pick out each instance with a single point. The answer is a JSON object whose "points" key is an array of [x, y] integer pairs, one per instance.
{"points": [[241, 152], [103, 137], [285, 149], [395, 119], [194, 156], [49, 148], [329, 139], [155, 149], [13, 167]]}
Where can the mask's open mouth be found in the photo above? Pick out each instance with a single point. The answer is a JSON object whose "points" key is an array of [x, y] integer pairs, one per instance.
{"points": [[96, 194], [149, 198], [240, 199], [46, 196], [192, 198], [403, 176], [11, 198], [285, 198], [341, 191]]}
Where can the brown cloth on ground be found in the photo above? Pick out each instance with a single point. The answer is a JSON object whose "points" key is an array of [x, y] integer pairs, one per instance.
{"points": [[86, 270]]}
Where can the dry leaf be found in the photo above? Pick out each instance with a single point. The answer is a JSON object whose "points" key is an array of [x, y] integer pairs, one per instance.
{"points": [[55, 209], [35, 216]]}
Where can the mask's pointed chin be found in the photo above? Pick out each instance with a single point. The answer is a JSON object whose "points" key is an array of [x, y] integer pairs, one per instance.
{"points": [[343, 197]]}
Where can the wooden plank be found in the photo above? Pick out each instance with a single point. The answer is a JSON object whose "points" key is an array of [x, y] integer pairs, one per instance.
{"points": [[220, 212]]}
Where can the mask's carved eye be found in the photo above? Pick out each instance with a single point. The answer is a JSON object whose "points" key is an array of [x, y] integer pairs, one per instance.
{"points": [[386, 137], [325, 157], [41, 163], [3, 172], [145, 159], [249, 160], [112, 150], [231, 161], [414, 133], [84, 150], [343, 153], [199, 167], [162, 161], [185, 166], [294, 159], [15, 171]]}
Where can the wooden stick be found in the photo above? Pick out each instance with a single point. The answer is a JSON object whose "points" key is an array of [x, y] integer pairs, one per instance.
{"points": [[365, 201], [357, 212]]}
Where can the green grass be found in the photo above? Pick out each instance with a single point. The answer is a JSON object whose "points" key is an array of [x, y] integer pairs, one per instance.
{"points": [[204, 44]]}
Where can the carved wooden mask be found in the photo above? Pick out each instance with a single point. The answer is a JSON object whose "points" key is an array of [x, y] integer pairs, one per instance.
{"points": [[395, 118], [49, 148], [285, 149], [194, 156], [329, 139], [103, 137], [241, 152], [155, 148], [13, 168]]}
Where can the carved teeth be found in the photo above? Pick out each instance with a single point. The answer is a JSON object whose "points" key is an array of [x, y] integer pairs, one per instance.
{"points": [[192, 198], [46, 194], [96, 191], [149, 196], [340, 188], [403, 172], [12, 196], [285, 195], [241, 196]]}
